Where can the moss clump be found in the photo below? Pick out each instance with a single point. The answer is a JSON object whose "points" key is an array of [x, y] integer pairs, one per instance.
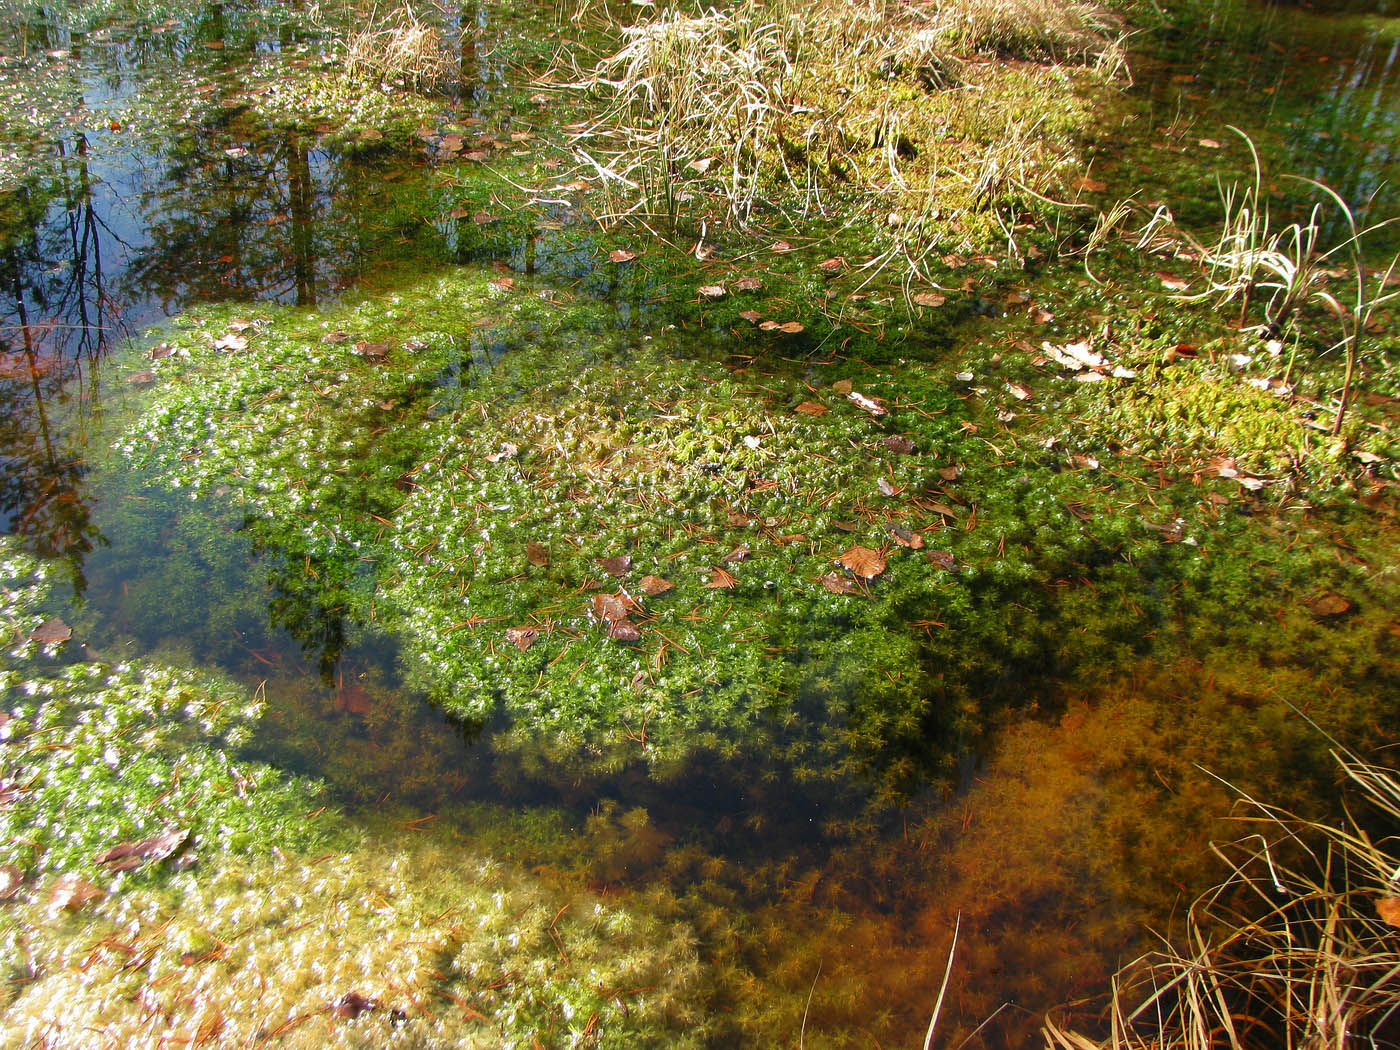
{"points": [[99, 754]]}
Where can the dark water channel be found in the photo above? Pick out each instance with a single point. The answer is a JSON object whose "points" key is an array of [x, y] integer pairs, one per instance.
{"points": [[115, 225]]}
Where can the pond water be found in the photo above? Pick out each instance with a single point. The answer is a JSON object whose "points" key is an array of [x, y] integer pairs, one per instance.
{"points": [[158, 180]]}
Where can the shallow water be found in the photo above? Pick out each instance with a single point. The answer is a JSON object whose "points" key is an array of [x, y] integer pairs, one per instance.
{"points": [[118, 225]]}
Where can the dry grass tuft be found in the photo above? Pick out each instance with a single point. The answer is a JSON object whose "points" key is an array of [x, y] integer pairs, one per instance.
{"points": [[398, 47], [1296, 948]]}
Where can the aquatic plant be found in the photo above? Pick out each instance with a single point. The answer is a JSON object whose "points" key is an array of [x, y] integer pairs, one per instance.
{"points": [[1294, 947], [100, 754]]}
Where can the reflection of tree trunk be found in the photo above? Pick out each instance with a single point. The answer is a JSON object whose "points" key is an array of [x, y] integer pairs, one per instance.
{"points": [[302, 195], [470, 65]]}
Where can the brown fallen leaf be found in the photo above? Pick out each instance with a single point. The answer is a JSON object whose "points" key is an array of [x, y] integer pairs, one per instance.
{"points": [[740, 553], [503, 284], [1019, 391], [905, 538], [51, 632], [791, 327], [712, 291], [930, 299], [812, 408], [1329, 603], [721, 579], [1388, 908], [1172, 283], [780, 246], [522, 637], [131, 855], [231, 342], [863, 561], [335, 337], [621, 255], [942, 559], [898, 444], [140, 378], [1090, 185], [616, 566], [752, 316], [370, 350], [748, 284], [838, 584], [831, 266], [872, 405], [536, 554], [350, 1005], [72, 892], [949, 473], [842, 386], [653, 585], [623, 630], [886, 487], [612, 607]]}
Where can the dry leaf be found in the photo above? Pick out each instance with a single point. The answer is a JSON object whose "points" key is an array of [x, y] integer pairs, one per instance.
{"points": [[942, 559], [929, 298], [1388, 908], [812, 408], [1090, 185], [863, 561], [335, 337], [1019, 391], [617, 566], [653, 585], [886, 487], [898, 444], [536, 554], [790, 327], [842, 386], [503, 284], [350, 1005], [747, 284], [722, 579], [712, 291], [522, 637], [838, 584], [1172, 283], [738, 554], [1209, 143], [231, 342], [832, 266], [621, 255], [612, 607], [752, 316], [870, 404], [780, 246], [51, 632], [372, 350], [131, 855], [905, 538], [624, 630], [1328, 604], [72, 892]]}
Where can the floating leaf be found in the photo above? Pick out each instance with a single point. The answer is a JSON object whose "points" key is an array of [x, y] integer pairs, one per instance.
{"points": [[747, 284], [522, 637], [51, 632], [812, 408], [621, 255], [905, 538], [838, 584], [752, 316], [131, 855], [832, 266], [720, 578], [863, 561], [898, 444], [929, 298], [72, 892], [790, 327], [612, 607], [537, 554], [450, 143], [712, 291], [653, 585], [616, 566], [1328, 604]]}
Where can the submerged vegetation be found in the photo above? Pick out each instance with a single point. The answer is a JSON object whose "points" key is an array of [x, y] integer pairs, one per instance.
{"points": [[729, 444]]}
